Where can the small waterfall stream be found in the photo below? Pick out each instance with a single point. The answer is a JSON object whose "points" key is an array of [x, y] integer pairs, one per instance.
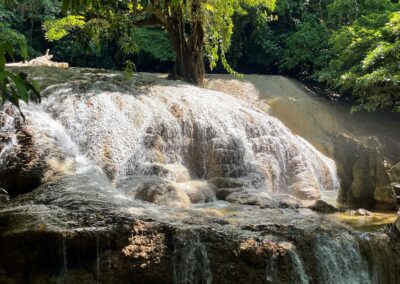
{"points": [[190, 260]]}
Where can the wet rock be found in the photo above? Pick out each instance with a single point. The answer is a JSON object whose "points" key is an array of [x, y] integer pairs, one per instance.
{"points": [[22, 166], [396, 188], [173, 172], [161, 192], [323, 207], [397, 225], [198, 191], [287, 201], [4, 198], [395, 173], [222, 193], [78, 231], [224, 182], [362, 212], [252, 197], [365, 181]]}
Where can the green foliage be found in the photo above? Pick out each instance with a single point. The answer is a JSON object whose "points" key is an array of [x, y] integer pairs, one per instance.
{"points": [[219, 26], [306, 49], [345, 12], [214, 17], [14, 88], [58, 29], [369, 65], [26, 17], [154, 43], [349, 45]]}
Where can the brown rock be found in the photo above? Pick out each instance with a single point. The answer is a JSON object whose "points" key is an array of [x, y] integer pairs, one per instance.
{"points": [[22, 170], [365, 181], [323, 207], [162, 193]]}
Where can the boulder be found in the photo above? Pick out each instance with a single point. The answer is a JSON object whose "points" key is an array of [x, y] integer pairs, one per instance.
{"points": [[162, 192], [199, 191], [323, 207], [395, 173], [252, 197], [365, 181], [288, 201], [23, 167], [363, 212]]}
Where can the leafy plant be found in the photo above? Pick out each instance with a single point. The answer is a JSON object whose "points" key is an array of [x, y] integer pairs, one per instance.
{"points": [[14, 87], [368, 67]]}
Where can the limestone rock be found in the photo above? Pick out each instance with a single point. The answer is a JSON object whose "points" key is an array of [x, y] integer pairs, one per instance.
{"points": [[362, 167], [222, 193], [22, 169], [365, 181], [41, 61], [198, 191], [287, 201], [323, 207], [252, 197], [162, 193], [363, 212], [395, 173]]}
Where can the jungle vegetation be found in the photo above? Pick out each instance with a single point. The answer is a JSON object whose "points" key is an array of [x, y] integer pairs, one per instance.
{"points": [[349, 46]]}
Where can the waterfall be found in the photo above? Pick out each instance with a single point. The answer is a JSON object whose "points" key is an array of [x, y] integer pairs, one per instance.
{"points": [[339, 260], [173, 132], [98, 139], [190, 261]]}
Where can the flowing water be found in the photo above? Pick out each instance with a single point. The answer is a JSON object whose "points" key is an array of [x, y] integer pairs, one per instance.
{"points": [[109, 149]]}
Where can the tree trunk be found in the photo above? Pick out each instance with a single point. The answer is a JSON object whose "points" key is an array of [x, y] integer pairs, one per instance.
{"points": [[189, 63], [189, 50]]}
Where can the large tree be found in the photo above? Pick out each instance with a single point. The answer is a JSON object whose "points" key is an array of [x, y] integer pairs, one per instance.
{"points": [[194, 27]]}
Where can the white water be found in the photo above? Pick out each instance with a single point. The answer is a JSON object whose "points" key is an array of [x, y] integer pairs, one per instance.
{"points": [[176, 132], [339, 260], [190, 262]]}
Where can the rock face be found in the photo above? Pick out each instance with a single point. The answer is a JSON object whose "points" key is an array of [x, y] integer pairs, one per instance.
{"points": [[77, 230], [365, 146], [22, 170], [364, 179], [32, 152]]}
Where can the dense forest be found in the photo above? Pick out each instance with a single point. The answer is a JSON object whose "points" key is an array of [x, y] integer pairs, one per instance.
{"points": [[348, 46]]}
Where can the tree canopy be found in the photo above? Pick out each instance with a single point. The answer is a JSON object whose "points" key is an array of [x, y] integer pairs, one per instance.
{"points": [[194, 28]]}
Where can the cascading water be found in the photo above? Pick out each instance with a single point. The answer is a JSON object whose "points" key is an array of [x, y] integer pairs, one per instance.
{"points": [[98, 140], [177, 133], [190, 262]]}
